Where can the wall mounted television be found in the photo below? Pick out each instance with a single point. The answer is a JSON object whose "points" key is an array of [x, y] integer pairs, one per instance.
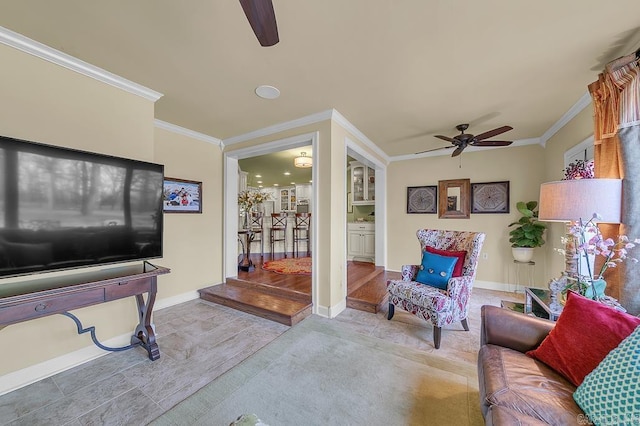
{"points": [[62, 208]]}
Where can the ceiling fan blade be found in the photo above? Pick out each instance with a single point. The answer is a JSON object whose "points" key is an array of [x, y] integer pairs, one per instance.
{"points": [[458, 150], [492, 133], [435, 149], [447, 138], [492, 143], [262, 19]]}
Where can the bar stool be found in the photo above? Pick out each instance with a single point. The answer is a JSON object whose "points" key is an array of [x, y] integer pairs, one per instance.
{"points": [[302, 232], [278, 231], [256, 226]]}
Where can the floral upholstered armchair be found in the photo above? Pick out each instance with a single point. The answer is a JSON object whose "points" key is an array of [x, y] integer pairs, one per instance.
{"points": [[440, 306]]}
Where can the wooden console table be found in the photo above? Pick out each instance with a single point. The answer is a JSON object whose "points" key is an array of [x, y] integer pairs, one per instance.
{"points": [[22, 301]]}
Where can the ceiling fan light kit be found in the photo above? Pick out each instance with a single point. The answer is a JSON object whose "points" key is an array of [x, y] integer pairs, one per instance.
{"points": [[303, 161], [463, 140]]}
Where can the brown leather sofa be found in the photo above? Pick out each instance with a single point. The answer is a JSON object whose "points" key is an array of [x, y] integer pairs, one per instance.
{"points": [[516, 389]]}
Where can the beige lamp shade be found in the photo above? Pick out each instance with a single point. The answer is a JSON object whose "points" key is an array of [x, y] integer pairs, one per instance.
{"points": [[572, 200]]}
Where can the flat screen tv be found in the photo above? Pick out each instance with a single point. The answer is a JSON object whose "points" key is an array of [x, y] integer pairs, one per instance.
{"points": [[62, 208]]}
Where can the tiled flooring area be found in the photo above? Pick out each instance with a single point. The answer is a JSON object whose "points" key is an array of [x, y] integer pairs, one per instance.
{"points": [[198, 342]]}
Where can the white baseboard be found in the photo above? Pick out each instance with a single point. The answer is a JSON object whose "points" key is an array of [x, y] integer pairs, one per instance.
{"points": [[20, 378], [330, 311]]}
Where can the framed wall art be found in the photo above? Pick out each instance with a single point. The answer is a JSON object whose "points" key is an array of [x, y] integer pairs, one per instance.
{"points": [[454, 200], [181, 196], [422, 199], [490, 197]]}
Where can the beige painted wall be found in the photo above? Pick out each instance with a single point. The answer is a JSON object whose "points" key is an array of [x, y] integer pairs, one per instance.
{"points": [[50, 104], [192, 242], [523, 166], [574, 132]]}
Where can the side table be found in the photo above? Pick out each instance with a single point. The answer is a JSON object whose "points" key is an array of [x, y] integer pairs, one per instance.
{"points": [[537, 301]]}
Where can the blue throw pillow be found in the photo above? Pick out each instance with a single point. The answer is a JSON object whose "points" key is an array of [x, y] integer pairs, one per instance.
{"points": [[436, 270], [610, 394]]}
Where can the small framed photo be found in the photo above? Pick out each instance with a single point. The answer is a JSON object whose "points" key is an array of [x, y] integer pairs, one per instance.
{"points": [[422, 199], [490, 197], [181, 196]]}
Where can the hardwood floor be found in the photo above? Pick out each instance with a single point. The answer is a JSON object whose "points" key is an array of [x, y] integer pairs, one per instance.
{"points": [[287, 298]]}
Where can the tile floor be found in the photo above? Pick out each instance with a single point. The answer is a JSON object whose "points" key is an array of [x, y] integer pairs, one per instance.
{"points": [[198, 342]]}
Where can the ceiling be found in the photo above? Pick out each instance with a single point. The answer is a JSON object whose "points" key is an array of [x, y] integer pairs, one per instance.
{"points": [[272, 168], [399, 71]]}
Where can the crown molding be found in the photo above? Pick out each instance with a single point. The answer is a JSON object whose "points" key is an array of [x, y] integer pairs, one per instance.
{"points": [[281, 127], [39, 50], [186, 132], [581, 104], [340, 119]]}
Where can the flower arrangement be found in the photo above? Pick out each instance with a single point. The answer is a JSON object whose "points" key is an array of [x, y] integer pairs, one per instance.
{"points": [[579, 169], [589, 242], [250, 198]]}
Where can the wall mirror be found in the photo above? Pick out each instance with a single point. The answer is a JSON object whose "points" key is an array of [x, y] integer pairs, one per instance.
{"points": [[454, 198]]}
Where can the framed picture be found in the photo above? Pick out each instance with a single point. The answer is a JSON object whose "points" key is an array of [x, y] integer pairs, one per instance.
{"points": [[454, 199], [422, 199], [181, 196], [490, 197]]}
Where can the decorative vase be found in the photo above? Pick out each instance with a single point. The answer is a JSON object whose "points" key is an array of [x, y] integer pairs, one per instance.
{"points": [[522, 254], [596, 289]]}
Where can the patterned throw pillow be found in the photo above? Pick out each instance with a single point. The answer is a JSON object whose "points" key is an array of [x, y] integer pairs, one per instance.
{"points": [[610, 394], [436, 270]]}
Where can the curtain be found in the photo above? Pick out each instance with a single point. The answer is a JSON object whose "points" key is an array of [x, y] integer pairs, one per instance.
{"points": [[616, 101]]}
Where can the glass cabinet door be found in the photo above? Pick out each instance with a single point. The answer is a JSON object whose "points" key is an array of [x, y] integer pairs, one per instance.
{"points": [[284, 199], [371, 184], [357, 176]]}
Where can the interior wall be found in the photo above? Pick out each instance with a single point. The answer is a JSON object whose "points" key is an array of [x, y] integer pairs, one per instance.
{"points": [[574, 132], [47, 103], [192, 242], [522, 166]]}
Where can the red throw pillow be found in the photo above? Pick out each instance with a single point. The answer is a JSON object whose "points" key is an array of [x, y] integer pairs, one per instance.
{"points": [[584, 334], [457, 270]]}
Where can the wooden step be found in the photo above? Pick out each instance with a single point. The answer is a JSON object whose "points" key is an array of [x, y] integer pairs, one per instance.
{"points": [[360, 273], [371, 296], [284, 310], [271, 289]]}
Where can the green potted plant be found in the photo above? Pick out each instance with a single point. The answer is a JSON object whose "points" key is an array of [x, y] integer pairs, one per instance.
{"points": [[528, 233]]}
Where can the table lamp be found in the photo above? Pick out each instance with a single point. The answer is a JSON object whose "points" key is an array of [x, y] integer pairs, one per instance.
{"points": [[577, 200]]}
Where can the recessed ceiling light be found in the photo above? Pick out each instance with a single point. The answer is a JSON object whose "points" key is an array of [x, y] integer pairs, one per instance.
{"points": [[293, 183], [259, 186], [258, 176], [287, 173], [267, 92], [259, 181], [275, 184], [310, 181]]}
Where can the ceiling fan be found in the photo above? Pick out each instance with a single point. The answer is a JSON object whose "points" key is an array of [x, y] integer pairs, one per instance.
{"points": [[463, 140], [262, 19]]}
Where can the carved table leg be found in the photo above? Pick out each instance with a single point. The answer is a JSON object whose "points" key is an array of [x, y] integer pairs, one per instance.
{"points": [[144, 333]]}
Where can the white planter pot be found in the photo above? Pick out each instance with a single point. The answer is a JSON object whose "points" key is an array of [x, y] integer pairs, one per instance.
{"points": [[522, 254]]}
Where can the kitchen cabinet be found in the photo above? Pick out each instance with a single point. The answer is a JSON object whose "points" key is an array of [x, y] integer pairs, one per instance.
{"points": [[363, 184], [361, 241], [287, 198]]}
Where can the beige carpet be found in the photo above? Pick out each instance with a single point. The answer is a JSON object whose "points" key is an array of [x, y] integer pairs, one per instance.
{"points": [[321, 373]]}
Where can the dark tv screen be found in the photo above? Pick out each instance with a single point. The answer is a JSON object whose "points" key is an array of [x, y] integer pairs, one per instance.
{"points": [[62, 208]]}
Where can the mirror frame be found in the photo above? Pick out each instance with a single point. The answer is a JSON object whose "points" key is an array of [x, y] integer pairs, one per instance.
{"points": [[464, 203]]}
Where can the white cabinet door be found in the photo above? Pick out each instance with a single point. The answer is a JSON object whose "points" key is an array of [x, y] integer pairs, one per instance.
{"points": [[369, 244], [354, 244]]}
